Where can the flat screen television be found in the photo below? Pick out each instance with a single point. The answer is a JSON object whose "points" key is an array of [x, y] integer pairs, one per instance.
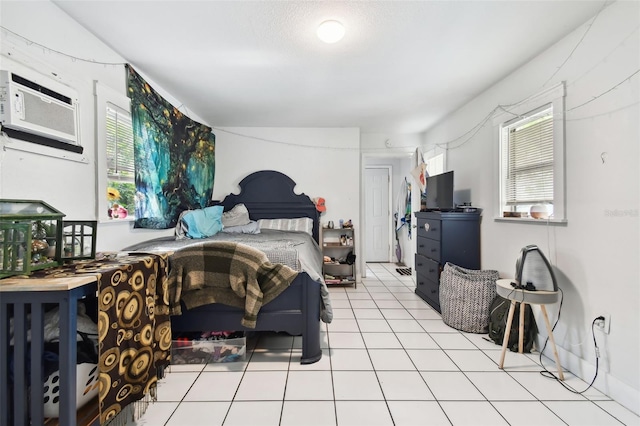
{"points": [[440, 192]]}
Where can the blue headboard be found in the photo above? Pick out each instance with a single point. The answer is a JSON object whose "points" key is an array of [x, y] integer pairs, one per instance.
{"points": [[268, 194]]}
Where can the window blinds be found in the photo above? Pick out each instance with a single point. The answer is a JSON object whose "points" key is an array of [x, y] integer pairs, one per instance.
{"points": [[119, 130], [529, 177]]}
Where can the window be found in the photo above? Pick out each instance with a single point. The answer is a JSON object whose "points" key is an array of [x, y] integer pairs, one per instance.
{"points": [[115, 199], [120, 164], [532, 160]]}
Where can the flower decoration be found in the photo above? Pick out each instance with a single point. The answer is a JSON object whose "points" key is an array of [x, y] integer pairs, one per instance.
{"points": [[113, 194], [116, 211]]}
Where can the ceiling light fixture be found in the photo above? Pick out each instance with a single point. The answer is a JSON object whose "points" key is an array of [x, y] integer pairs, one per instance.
{"points": [[330, 31]]}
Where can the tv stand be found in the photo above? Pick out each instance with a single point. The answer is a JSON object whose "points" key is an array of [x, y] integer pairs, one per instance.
{"points": [[452, 236]]}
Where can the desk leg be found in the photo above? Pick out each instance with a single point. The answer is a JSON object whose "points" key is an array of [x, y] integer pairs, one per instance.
{"points": [[68, 358], [20, 408], [507, 332], [4, 366], [37, 350], [521, 328], [552, 340]]}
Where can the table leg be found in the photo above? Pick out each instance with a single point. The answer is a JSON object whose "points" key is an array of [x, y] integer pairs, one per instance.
{"points": [[507, 332], [68, 357], [521, 328], [553, 342]]}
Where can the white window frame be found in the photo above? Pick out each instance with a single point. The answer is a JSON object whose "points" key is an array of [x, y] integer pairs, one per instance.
{"points": [[553, 97], [105, 95]]}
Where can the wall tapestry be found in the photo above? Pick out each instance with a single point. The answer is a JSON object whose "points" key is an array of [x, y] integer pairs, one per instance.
{"points": [[174, 158]]}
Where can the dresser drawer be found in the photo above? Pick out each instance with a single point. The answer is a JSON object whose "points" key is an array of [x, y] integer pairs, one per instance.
{"points": [[429, 291], [430, 228], [429, 248], [428, 268]]}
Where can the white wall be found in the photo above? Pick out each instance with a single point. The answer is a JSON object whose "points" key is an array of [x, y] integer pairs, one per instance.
{"points": [[331, 172], [596, 254]]}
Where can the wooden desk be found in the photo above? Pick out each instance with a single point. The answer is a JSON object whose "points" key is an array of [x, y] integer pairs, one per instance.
{"points": [[29, 295], [147, 334]]}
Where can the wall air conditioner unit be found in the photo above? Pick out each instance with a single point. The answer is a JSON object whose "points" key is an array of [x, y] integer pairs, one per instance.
{"points": [[39, 110]]}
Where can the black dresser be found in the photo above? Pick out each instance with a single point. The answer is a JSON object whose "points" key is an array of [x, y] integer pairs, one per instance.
{"points": [[444, 237]]}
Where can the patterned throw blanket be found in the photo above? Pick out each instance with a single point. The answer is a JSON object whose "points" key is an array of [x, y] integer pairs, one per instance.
{"points": [[228, 273]]}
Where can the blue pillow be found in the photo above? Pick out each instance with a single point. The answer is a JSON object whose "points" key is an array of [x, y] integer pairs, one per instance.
{"points": [[203, 223]]}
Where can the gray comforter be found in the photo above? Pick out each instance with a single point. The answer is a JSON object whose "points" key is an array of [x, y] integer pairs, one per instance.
{"points": [[297, 250]]}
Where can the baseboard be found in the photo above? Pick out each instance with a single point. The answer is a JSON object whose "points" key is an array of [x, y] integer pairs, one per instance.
{"points": [[620, 392]]}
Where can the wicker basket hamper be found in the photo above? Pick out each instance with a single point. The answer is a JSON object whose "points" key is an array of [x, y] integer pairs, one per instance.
{"points": [[465, 296]]}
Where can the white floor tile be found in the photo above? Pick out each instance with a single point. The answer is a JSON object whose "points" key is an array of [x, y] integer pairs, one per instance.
{"points": [[323, 364], [359, 413], [451, 386], [343, 313], [388, 304], [157, 413], [472, 360], [391, 360], [514, 361], [381, 341], [175, 385], [412, 413], [359, 295], [398, 314], [404, 386], [308, 413], [356, 386], [340, 303], [214, 386], [436, 326], [417, 341], [404, 325], [254, 413], [388, 359], [452, 341], [368, 314], [499, 386], [309, 385], [339, 324], [374, 326], [346, 340], [417, 304], [545, 389], [583, 413], [363, 304], [199, 414], [527, 413], [350, 359], [621, 413], [275, 359], [431, 360], [382, 296], [472, 413], [424, 313], [262, 385]]}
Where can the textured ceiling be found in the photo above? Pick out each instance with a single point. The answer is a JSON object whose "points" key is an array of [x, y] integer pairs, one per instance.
{"points": [[401, 66]]}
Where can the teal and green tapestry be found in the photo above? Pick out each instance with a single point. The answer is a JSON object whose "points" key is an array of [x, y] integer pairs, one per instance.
{"points": [[174, 158]]}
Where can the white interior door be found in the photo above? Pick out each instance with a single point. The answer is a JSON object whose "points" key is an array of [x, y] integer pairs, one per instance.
{"points": [[377, 214]]}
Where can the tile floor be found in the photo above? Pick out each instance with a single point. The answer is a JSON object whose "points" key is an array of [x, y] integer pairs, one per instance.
{"points": [[388, 360]]}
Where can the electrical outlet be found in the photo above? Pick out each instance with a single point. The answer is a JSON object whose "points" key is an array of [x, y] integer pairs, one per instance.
{"points": [[604, 325]]}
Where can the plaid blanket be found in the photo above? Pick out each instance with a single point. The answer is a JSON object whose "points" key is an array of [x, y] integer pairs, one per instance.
{"points": [[228, 273]]}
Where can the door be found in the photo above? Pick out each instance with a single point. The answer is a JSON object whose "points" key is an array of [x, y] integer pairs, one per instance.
{"points": [[377, 214]]}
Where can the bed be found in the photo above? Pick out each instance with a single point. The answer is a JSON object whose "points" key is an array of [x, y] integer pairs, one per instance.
{"points": [[299, 309]]}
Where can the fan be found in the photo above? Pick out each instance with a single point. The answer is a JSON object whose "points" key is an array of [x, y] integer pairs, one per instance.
{"points": [[533, 270]]}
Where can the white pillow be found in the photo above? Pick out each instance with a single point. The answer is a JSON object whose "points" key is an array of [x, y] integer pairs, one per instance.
{"points": [[300, 224], [237, 216], [249, 228]]}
